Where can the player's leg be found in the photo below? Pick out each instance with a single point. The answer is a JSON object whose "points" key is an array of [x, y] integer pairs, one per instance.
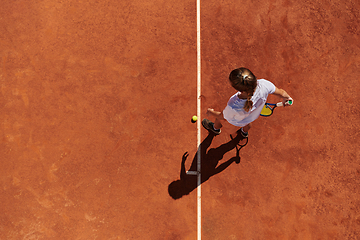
{"points": [[245, 130], [218, 117], [218, 121]]}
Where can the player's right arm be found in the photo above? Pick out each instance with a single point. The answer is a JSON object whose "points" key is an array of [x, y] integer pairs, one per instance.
{"points": [[284, 95]]}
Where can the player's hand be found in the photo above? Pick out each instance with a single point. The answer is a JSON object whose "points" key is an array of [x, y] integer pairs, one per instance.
{"points": [[286, 101], [210, 111], [186, 154]]}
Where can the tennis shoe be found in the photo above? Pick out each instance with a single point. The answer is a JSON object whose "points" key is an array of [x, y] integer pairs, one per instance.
{"points": [[244, 134], [208, 125]]}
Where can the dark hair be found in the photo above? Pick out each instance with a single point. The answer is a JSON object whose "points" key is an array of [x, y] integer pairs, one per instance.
{"points": [[243, 80]]}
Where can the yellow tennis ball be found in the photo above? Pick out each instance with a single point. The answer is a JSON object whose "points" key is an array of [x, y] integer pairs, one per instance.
{"points": [[194, 118]]}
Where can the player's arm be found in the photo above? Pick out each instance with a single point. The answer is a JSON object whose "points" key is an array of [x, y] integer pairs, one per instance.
{"points": [[216, 114], [283, 94], [182, 170]]}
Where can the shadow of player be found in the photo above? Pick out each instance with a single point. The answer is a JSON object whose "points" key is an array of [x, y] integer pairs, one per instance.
{"points": [[209, 161]]}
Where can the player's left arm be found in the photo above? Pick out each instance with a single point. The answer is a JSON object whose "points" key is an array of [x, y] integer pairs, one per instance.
{"points": [[283, 94], [182, 169]]}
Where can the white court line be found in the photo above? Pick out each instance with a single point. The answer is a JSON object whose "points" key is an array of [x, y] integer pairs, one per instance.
{"points": [[199, 117]]}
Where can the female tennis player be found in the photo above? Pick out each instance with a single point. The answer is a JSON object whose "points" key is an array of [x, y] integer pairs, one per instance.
{"points": [[244, 106]]}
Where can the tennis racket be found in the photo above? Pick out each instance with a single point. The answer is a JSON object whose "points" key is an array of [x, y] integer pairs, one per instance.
{"points": [[268, 108]]}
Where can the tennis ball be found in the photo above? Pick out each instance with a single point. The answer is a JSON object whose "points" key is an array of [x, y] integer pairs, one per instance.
{"points": [[194, 118]]}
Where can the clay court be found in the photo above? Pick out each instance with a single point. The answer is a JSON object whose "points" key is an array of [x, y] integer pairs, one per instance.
{"points": [[95, 108]]}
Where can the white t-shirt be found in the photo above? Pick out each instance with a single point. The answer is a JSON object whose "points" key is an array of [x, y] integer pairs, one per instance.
{"points": [[234, 112]]}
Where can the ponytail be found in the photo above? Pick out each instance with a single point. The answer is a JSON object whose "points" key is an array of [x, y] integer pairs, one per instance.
{"points": [[248, 104]]}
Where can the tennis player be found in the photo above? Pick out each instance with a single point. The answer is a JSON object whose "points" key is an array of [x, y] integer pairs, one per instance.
{"points": [[244, 106]]}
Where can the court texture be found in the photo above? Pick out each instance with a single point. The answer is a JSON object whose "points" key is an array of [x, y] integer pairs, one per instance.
{"points": [[96, 100]]}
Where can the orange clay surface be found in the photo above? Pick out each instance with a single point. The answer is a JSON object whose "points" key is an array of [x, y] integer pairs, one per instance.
{"points": [[96, 100]]}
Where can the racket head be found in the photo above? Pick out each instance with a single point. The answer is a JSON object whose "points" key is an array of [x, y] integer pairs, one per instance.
{"points": [[267, 109]]}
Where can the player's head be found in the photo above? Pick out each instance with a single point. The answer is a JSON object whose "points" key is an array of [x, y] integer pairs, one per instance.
{"points": [[177, 189], [243, 80]]}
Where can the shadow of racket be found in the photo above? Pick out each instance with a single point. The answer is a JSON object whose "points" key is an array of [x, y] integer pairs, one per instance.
{"points": [[238, 147]]}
